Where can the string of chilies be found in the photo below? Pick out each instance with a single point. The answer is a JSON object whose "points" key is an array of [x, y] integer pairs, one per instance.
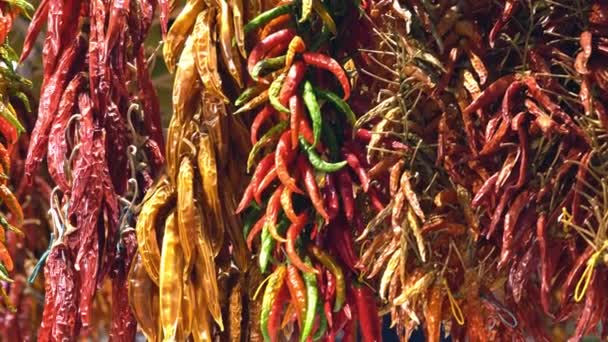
{"points": [[14, 106], [191, 283], [99, 127], [301, 200], [501, 166]]}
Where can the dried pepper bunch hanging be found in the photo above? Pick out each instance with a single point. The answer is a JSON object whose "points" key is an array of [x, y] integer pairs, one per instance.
{"points": [[14, 107], [99, 127], [496, 226], [310, 183], [189, 279]]}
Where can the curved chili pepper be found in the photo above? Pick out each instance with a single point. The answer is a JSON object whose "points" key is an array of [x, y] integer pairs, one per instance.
{"points": [[253, 103], [264, 46], [248, 94], [266, 113], [265, 182], [312, 298], [276, 24], [274, 319], [268, 64], [297, 113], [267, 16], [295, 75], [273, 94], [273, 289], [507, 13], [367, 314], [331, 196], [272, 134], [322, 328], [310, 100], [345, 186], [490, 94], [287, 204], [306, 132], [339, 104], [255, 231], [328, 262], [297, 291], [316, 160], [325, 62], [355, 165], [311, 187], [266, 248], [293, 232], [297, 45], [328, 21], [272, 214], [284, 155]]}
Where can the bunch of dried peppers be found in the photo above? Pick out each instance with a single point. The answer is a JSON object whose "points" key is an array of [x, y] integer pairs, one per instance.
{"points": [[444, 163], [99, 127]]}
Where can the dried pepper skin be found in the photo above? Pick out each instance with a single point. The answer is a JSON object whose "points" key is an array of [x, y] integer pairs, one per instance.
{"points": [[171, 284], [49, 100]]}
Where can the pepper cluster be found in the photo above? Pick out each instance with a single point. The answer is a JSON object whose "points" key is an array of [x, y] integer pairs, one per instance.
{"points": [[496, 225], [99, 127], [302, 192], [14, 105], [189, 278]]}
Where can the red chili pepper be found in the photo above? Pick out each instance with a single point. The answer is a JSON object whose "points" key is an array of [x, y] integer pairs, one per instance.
{"points": [[325, 62], [311, 187], [490, 94], [508, 99], [297, 290], [9, 132], [497, 216], [355, 165], [265, 183], [272, 214], [292, 81], [247, 198], [266, 44], [374, 197], [266, 113], [287, 204], [255, 231], [331, 196], [368, 314], [293, 232], [296, 107], [39, 18], [449, 71], [521, 201], [49, 100], [338, 230], [345, 186], [284, 155], [507, 13], [307, 133], [274, 320]]}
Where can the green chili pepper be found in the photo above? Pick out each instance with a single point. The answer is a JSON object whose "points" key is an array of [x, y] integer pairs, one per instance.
{"points": [[7, 226], [306, 10], [274, 91], [316, 160], [312, 298], [331, 141], [248, 94], [322, 324], [338, 103], [4, 274], [275, 283], [267, 16], [273, 133], [267, 64], [268, 244], [265, 249], [310, 100], [6, 113]]}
